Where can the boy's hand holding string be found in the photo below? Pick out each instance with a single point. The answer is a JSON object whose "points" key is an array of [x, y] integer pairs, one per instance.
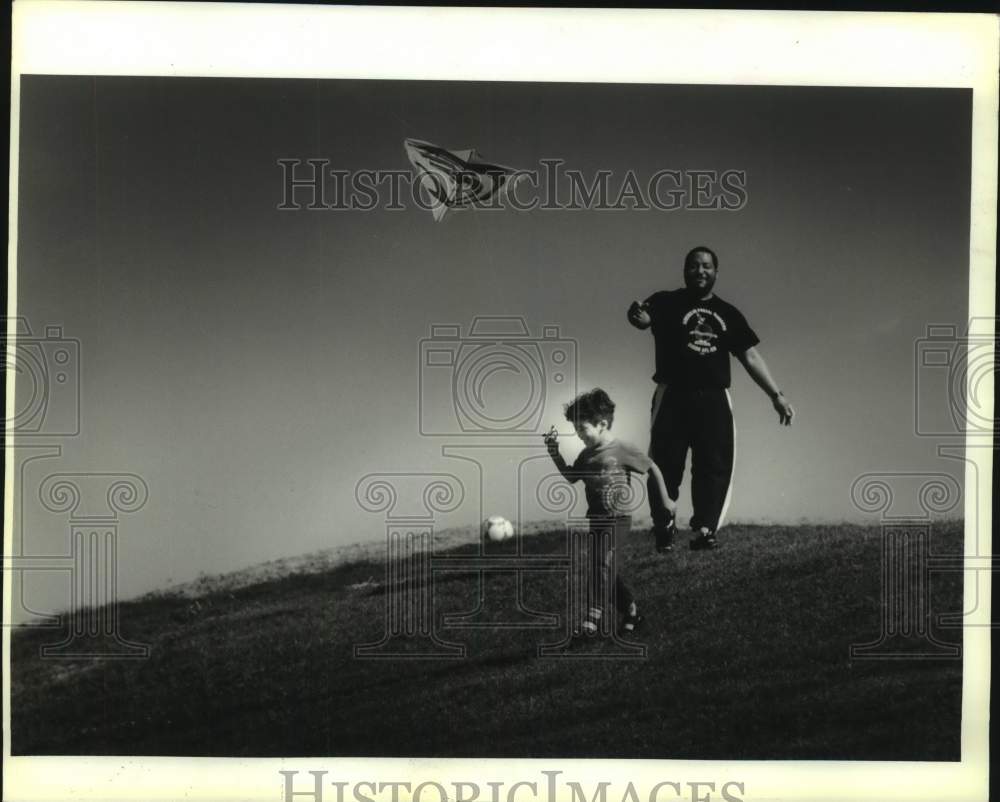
{"points": [[551, 438]]}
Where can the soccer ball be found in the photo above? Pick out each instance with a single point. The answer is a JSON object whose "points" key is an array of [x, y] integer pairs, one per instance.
{"points": [[497, 528]]}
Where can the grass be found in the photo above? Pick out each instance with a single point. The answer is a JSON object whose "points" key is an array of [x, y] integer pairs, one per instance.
{"points": [[747, 658]]}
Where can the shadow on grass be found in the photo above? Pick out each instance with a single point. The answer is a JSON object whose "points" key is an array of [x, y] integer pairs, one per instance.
{"points": [[747, 658]]}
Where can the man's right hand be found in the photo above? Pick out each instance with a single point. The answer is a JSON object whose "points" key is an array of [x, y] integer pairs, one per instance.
{"points": [[638, 315]]}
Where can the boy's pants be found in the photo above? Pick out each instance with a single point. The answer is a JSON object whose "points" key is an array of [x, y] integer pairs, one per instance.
{"points": [[702, 421], [606, 585]]}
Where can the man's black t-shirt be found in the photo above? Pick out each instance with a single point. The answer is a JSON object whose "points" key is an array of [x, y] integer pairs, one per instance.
{"points": [[694, 339]]}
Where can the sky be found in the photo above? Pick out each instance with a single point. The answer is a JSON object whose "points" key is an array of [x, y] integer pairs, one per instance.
{"points": [[252, 364]]}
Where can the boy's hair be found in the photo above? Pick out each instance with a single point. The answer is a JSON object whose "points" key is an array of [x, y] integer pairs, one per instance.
{"points": [[590, 407]]}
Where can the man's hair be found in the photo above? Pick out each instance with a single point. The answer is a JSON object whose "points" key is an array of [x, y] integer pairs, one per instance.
{"points": [[701, 249], [591, 407]]}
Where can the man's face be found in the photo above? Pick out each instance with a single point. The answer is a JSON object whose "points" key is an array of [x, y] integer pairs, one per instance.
{"points": [[700, 272]]}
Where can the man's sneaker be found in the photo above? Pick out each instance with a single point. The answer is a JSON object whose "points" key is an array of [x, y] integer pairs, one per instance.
{"points": [[631, 623], [705, 541], [665, 536]]}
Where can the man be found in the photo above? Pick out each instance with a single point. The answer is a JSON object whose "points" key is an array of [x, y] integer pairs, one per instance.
{"points": [[695, 331]]}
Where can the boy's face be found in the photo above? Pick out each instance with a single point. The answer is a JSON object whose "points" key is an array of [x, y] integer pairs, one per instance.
{"points": [[592, 433]]}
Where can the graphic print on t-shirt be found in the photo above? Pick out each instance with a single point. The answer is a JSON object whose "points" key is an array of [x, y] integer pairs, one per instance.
{"points": [[610, 486], [605, 470], [695, 338], [704, 327]]}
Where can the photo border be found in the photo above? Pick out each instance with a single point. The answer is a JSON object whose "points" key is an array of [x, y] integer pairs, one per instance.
{"points": [[591, 46]]}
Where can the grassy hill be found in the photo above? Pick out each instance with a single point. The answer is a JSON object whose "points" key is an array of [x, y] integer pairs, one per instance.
{"points": [[746, 658]]}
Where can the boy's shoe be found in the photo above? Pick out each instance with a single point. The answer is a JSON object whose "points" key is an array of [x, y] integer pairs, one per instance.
{"points": [[665, 536], [591, 624], [583, 636], [705, 541]]}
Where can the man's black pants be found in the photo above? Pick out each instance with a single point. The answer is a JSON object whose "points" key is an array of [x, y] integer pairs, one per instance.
{"points": [[702, 421]]}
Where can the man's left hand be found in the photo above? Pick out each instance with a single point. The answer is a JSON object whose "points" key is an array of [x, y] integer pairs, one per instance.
{"points": [[784, 409]]}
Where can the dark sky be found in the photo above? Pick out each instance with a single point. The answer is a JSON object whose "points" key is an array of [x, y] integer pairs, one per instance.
{"points": [[252, 364]]}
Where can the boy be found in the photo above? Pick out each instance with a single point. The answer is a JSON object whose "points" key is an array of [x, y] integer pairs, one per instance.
{"points": [[605, 466]]}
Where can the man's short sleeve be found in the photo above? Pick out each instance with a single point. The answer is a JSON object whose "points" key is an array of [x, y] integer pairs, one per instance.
{"points": [[741, 336], [655, 302]]}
